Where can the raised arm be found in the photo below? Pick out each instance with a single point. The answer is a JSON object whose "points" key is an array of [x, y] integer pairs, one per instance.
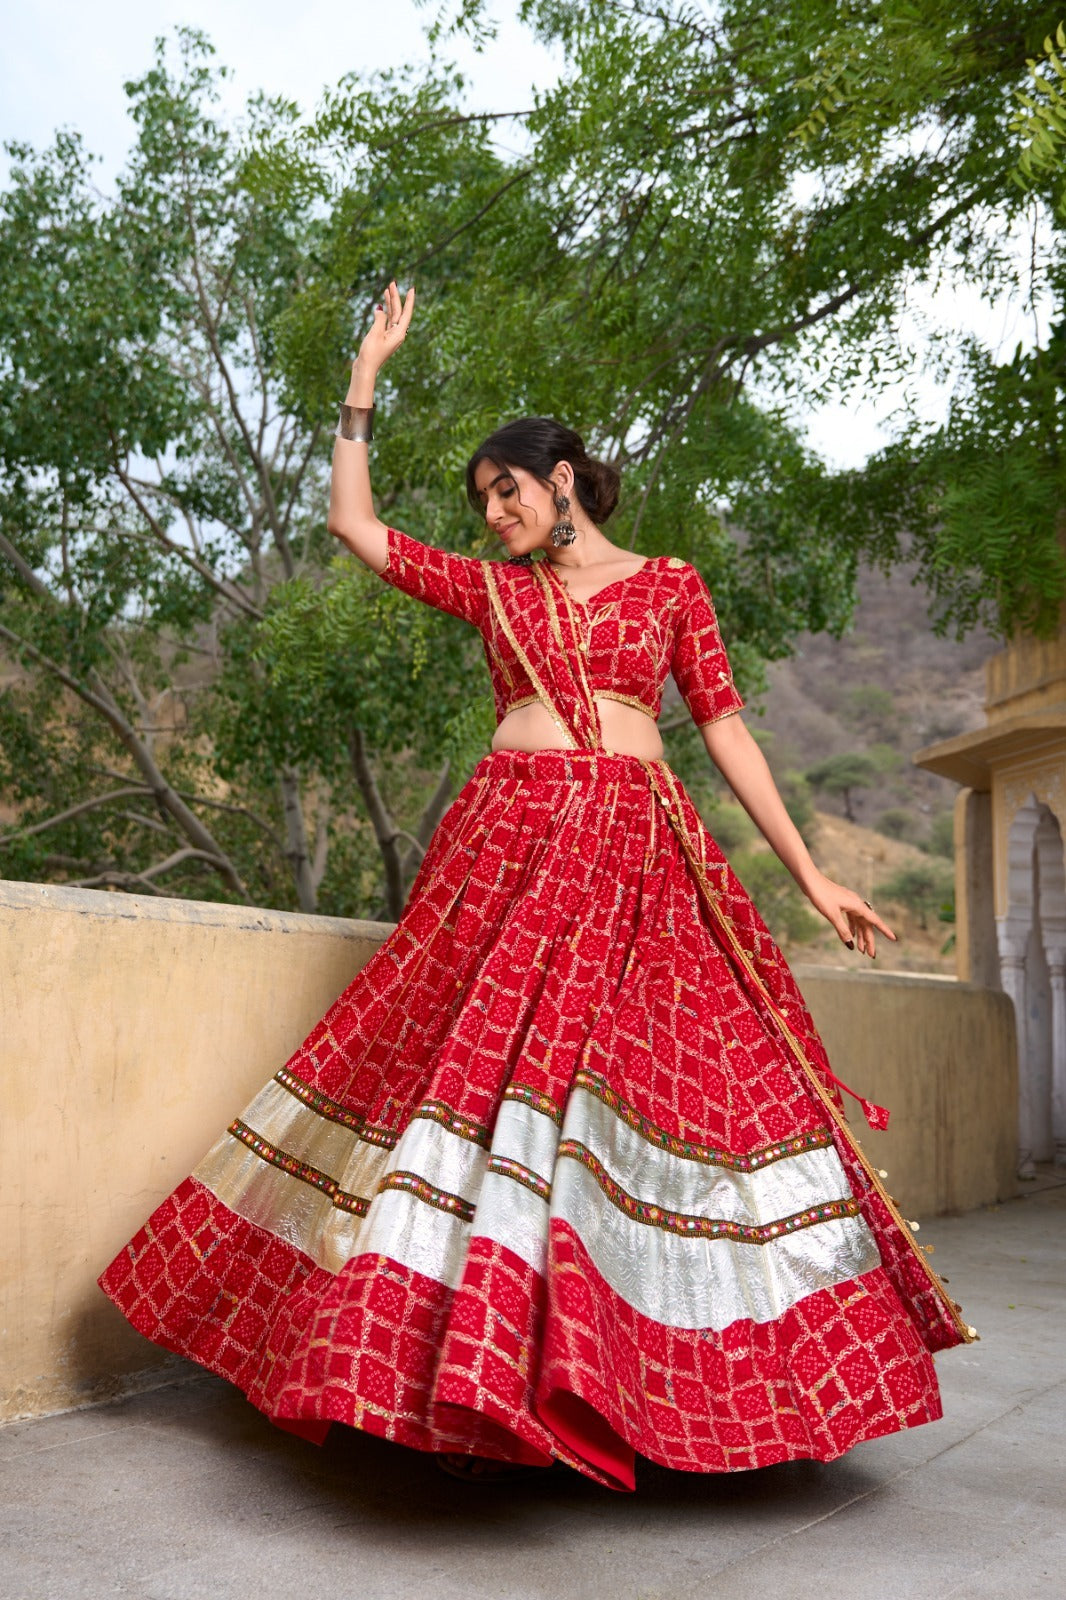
{"points": [[352, 518]]}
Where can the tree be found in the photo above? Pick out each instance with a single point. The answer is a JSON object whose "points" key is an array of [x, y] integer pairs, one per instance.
{"points": [[779, 901], [757, 190], [718, 206], [897, 823], [163, 465], [841, 775]]}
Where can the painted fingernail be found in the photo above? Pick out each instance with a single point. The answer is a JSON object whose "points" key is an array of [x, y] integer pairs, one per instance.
{"points": [[850, 944]]}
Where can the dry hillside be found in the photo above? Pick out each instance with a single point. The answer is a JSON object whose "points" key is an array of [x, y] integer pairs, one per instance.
{"points": [[819, 705]]}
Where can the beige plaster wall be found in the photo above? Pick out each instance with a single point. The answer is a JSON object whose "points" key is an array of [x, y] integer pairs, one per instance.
{"points": [[132, 1030], [943, 1057]]}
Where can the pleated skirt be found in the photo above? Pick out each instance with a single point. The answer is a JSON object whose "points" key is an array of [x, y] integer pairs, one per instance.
{"points": [[546, 1181]]}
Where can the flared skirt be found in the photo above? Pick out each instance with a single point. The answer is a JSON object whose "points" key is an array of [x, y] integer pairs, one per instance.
{"points": [[561, 1173]]}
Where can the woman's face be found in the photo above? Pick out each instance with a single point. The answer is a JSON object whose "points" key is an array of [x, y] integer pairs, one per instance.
{"points": [[519, 509]]}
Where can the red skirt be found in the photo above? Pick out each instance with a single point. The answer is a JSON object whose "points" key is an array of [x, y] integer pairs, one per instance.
{"points": [[546, 1180]]}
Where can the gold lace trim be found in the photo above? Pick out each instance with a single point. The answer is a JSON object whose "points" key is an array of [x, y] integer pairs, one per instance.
{"points": [[516, 705], [626, 699]]}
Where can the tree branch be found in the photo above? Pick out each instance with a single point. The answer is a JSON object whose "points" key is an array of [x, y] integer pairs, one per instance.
{"points": [[74, 811], [258, 463], [221, 586], [463, 227], [101, 700], [123, 880], [385, 830], [35, 584]]}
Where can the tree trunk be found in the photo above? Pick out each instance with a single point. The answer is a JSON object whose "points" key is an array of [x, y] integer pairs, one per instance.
{"points": [[97, 695], [296, 849], [435, 809], [385, 830]]}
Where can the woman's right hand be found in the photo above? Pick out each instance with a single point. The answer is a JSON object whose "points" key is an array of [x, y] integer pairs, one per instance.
{"points": [[387, 332]]}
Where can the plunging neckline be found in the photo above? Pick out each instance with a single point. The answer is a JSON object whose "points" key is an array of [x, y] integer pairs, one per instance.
{"points": [[614, 584]]}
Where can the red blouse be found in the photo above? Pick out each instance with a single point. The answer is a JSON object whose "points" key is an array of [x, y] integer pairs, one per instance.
{"points": [[657, 621]]}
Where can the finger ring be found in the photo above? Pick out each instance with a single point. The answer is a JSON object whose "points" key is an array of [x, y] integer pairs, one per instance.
{"points": [[867, 903]]}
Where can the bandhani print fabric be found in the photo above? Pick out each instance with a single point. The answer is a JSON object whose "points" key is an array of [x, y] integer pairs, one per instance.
{"points": [[564, 1172]]}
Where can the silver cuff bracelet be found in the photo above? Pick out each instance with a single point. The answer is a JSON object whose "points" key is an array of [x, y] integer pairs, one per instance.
{"points": [[357, 423]]}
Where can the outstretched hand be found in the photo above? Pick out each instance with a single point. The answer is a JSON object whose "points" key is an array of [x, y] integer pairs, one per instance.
{"points": [[387, 332], [853, 917]]}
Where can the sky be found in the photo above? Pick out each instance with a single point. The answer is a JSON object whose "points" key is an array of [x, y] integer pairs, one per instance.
{"points": [[64, 65]]}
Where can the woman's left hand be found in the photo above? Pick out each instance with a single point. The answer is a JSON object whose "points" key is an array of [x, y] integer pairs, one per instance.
{"points": [[853, 917]]}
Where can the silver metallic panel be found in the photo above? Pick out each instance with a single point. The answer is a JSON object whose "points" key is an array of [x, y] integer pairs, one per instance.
{"points": [[515, 1217], [677, 1183], [285, 1206], [676, 1280], [688, 1282], [440, 1158], [285, 1121], [527, 1136], [417, 1236]]}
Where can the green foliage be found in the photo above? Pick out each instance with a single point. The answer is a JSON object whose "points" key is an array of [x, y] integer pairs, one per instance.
{"points": [[842, 775], [731, 827], [941, 840], [1041, 120], [777, 898], [896, 823], [717, 209], [795, 791], [923, 889], [884, 758], [872, 712], [165, 555], [821, 159]]}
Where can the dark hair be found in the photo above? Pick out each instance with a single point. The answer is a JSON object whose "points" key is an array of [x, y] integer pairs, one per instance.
{"points": [[537, 445]]}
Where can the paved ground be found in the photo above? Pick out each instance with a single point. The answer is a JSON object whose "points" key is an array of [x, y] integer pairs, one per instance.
{"points": [[187, 1492]]}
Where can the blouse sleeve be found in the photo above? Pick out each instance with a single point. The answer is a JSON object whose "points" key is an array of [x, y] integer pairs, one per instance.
{"points": [[700, 665], [451, 583]]}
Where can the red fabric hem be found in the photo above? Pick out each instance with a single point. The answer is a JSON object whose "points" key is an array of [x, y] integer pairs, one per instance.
{"points": [[512, 1366]]}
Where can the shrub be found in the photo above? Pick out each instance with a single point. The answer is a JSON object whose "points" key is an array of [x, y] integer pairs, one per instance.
{"points": [[897, 823], [777, 897], [926, 887]]}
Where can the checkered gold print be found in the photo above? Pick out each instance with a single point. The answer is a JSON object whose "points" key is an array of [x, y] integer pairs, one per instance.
{"points": [[563, 1172]]}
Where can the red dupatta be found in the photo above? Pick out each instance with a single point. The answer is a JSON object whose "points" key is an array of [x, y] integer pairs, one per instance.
{"points": [[543, 628]]}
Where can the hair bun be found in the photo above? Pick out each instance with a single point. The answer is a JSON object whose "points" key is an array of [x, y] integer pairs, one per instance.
{"points": [[598, 485], [537, 445]]}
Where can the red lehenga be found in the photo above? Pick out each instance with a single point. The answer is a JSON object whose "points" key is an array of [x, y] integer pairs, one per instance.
{"points": [[564, 1171]]}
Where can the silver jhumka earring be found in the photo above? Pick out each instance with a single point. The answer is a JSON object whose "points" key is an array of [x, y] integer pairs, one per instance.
{"points": [[563, 531]]}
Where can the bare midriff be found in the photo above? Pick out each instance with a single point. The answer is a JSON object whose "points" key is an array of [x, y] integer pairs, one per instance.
{"points": [[627, 731]]}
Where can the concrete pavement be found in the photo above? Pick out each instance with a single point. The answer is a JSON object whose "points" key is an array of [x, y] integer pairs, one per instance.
{"points": [[187, 1493]]}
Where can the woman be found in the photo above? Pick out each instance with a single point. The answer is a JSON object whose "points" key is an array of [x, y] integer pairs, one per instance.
{"points": [[563, 1174]]}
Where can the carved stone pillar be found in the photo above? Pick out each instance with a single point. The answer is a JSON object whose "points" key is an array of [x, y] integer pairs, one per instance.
{"points": [[1056, 960], [1013, 946]]}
